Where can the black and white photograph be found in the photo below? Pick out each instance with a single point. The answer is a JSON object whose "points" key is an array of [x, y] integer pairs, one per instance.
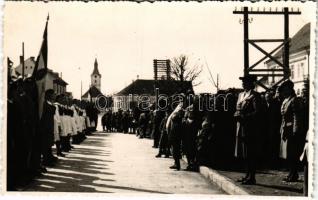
{"points": [[180, 98]]}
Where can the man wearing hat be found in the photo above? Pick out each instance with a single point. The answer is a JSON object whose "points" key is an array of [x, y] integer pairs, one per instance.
{"points": [[292, 129], [247, 116]]}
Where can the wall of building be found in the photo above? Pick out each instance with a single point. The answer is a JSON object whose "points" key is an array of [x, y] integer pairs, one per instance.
{"points": [[29, 65], [298, 65]]}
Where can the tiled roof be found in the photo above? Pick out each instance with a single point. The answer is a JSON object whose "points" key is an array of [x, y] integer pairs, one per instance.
{"points": [[300, 41], [93, 92], [60, 81], [167, 87]]}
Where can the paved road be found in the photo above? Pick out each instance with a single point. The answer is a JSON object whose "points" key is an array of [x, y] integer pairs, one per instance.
{"points": [[119, 163]]}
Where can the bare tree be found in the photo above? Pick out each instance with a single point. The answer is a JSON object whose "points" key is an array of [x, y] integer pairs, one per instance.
{"points": [[181, 71]]}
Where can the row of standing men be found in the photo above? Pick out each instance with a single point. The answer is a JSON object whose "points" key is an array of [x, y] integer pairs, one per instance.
{"points": [[254, 129], [30, 137]]}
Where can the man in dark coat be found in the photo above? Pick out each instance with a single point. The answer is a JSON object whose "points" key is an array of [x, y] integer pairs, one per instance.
{"points": [[157, 118], [164, 147], [191, 125], [125, 121], [174, 127], [247, 115], [273, 117], [47, 128], [109, 121], [104, 118]]}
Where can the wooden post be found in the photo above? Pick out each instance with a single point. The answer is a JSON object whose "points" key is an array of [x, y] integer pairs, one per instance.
{"points": [[155, 68], [246, 47], [168, 70], [286, 46]]}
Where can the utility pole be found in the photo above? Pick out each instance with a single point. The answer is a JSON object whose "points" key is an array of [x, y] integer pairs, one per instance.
{"points": [[284, 46], [81, 90], [217, 82]]}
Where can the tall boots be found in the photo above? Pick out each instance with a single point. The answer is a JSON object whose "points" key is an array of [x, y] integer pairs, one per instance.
{"points": [[176, 164], [64, 146], [58, 149]]}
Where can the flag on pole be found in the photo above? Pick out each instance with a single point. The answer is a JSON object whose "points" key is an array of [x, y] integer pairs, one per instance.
{"points": [[40, 70], [11, 70], [10, 63]]}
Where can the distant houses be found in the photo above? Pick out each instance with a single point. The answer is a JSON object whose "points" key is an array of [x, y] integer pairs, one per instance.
{"points": [[130, 96], [53, 79]]}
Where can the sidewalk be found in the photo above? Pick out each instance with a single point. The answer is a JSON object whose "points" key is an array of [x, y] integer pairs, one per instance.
{"points": [[269, 182]]}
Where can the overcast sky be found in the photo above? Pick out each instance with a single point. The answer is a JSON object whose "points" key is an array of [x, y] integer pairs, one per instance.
{"points": [[126, 37]]}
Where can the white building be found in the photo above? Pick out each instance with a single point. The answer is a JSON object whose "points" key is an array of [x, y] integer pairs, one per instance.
{"points": [[53, 80], [298, 59]]}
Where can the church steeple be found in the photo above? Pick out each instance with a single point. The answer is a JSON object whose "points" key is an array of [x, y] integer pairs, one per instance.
{"points": [[96, 76], [95, 71]]}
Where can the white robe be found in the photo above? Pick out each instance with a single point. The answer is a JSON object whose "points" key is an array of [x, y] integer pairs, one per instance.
{"points": [[57, 124]]}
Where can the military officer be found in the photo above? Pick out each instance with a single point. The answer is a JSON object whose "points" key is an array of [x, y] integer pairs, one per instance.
{"points": [[292, 129], [247, 116]]}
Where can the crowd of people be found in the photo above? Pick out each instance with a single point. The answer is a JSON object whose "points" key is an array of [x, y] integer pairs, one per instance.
{"points": [[257, 130], [246, 128], [31, 134]]}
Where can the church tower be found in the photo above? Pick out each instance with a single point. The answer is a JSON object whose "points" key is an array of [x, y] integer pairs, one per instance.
{"points": [[96, 77]]}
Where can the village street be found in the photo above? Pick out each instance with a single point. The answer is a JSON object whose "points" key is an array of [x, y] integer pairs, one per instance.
{"points": [[119, 163]]}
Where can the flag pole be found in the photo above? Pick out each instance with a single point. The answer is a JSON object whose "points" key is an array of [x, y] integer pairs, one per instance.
{"points": [[22, 60], [8, 63], [81, 90]]}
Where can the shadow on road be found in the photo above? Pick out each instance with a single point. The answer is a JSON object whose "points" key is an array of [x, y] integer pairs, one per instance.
{"points": [[85, 169]]}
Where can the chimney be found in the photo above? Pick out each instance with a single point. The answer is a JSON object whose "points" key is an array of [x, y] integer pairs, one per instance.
{"points": [[137, 77], [32, 58]]}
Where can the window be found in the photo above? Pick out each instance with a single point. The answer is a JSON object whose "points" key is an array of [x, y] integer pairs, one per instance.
{"points": [[95, 76], [302, 70], [55, 88], [292, 71], [95, 81], [273, 78]]}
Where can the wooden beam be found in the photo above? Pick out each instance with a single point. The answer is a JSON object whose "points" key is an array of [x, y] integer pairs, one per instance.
{"points": [[267, 75], [262, 59], [268, 40], [266, 70], [268, 12], [265, 53]]}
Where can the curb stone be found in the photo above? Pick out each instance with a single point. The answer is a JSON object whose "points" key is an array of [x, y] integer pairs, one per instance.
{"points": [[223, 182], [226, 184]]}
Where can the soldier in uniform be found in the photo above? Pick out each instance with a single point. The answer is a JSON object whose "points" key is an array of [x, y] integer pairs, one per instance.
{"points": [[192, 123], [157, 118], [273, 117], [174, 127], [247, 116], [164, 147], [292, 129], [47, 128]]}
